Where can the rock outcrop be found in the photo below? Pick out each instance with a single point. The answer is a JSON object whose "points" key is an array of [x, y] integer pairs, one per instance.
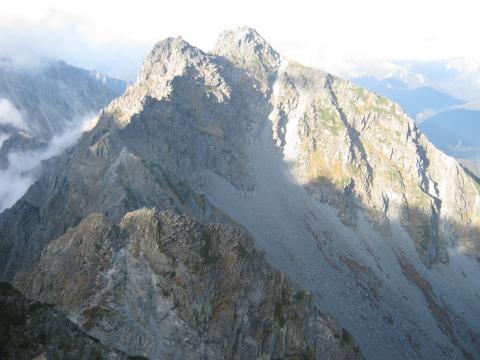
{"points": [[165, 286], [33, 330], [335, 184]]}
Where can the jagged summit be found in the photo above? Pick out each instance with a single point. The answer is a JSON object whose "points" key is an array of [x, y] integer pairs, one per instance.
{"points": [[242, 37], [335, 184], [245, 45], [174, 57], [168, 57]]}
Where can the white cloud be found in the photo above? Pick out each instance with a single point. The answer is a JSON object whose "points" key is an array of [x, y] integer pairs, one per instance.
{"points": [[315, 33], [23, 166], [3, 137], [10, 115]]}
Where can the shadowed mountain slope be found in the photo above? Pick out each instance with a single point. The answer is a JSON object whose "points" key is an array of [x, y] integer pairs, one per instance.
{"points": [[336, 185]]}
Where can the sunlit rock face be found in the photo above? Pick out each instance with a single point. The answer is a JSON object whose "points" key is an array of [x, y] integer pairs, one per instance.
{"points": [[335, 184]]}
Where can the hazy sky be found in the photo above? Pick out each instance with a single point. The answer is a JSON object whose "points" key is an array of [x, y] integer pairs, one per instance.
{"points": [[321, 33]]}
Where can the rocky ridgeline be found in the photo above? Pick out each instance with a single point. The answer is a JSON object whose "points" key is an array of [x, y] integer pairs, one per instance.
{"points": [[165, 286], [334, 183]]}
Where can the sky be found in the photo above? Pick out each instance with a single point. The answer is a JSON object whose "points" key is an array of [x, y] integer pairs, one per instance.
{"points": [[113, 34]]}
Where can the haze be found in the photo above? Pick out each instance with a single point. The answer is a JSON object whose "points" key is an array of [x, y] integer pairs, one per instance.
{"points": [[114, 36]]}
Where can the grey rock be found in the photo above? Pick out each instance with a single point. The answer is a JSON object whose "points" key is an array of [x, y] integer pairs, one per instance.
{"points": [[336, 185], [33, 330], [164, 286], [51, 99], [55, 94]]}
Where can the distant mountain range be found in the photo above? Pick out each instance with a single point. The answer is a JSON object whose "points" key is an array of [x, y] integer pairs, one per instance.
{"points": [[43, 110], [419, 102], [438, 95], [54, 94]]}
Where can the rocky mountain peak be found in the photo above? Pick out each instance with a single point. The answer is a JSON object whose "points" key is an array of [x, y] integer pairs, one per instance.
{"points": [[335, 183], [245, 48], [168, 56], [170, 60]]}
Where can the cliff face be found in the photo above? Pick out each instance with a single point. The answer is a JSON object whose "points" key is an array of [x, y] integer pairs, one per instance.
{"points": [[165, 286], [33, 330], [336, 184]]}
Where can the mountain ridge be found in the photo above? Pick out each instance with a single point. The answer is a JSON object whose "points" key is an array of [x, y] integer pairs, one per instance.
{"points": [[337, 185]]}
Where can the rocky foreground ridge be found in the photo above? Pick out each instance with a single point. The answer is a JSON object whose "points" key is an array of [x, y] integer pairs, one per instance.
{"points": [[165, 286], [33, 330], [335, 184]]}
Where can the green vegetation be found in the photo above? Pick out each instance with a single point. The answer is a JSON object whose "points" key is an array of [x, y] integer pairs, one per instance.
{"points": [[242, 251], [359, 91], [299, 296], [295, 64], [347, 340], [331, 120], [394, 175], [382, 101], [117, 113]]}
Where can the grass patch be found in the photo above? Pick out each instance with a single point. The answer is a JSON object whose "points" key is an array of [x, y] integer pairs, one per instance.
{"points": [[394, 175], [117, 113], [359, 91]]}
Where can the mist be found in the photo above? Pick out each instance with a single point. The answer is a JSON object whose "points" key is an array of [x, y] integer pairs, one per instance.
{"points": [[24, 167], [27, 47], [10, 115]]}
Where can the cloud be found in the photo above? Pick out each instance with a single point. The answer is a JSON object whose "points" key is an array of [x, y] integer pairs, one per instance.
{"points": [[23, 166], [10, 115], [3, 137], [314, 33], [31, 46]]}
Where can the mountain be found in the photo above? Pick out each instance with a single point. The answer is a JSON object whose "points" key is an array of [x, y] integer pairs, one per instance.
{"points": [[32, 330], [177, 289], [458, 77], [455, 132], [449, 123], [418, 102], [336, 185], [55, 94], [43, 110]]}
